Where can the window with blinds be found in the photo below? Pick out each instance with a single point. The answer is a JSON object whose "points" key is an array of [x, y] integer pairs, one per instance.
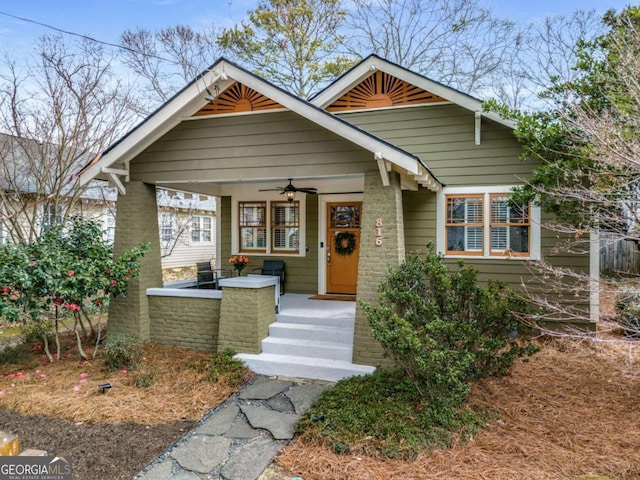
{"points": [[504, 230], [285, 227], [510, 226], [464, 224], [252, 226]]}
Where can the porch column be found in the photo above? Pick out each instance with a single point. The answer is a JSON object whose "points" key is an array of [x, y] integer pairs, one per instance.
{"points": [[136, 222], [248, 308], [381, 246]]}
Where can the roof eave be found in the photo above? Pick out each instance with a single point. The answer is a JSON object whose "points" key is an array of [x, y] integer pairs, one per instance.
{"points": [[191, 98], [372, 63]]}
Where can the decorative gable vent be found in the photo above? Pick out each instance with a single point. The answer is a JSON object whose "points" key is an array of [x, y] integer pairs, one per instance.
{"points": [[382, 90], [238, 98]]}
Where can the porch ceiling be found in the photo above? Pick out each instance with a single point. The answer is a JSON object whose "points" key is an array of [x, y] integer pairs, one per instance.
{"points": [[327, 185]]}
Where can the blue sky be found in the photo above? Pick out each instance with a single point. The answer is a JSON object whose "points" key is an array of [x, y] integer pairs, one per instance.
{"points": [[105, 20]]}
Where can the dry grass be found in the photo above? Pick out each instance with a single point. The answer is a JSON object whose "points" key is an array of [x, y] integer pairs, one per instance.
{"points": [[570, 412], [68, 389]]}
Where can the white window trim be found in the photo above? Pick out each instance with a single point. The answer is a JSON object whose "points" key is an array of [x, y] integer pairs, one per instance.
{"points": [[235, 241], [211, 231], [109, 225], [167, 220], [534, 232]]}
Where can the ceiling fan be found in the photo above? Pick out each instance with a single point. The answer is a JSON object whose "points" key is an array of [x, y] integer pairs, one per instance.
{"points": [[290, 190]]}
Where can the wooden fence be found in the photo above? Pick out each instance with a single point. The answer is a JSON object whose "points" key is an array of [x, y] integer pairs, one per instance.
{"points": [[618, 256]]}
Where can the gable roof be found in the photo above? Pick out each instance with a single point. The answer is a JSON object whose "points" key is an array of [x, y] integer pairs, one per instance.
{"points": [[219, 77], [373, 63], [25, 159]]}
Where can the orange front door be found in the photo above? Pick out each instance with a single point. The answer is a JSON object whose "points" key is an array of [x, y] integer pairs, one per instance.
{"points": [[343, 246]]}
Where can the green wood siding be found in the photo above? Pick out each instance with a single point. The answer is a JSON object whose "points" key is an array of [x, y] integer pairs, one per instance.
{"points": [[420, 229], [268, 145], [443, 136], [301, 272]]}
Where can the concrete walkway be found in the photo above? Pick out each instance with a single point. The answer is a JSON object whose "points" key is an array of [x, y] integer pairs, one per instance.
{"points": [[238, 439]]}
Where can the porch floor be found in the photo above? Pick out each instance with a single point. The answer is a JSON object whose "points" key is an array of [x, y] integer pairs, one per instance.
{"points": [[300, 304], [310, 339]]}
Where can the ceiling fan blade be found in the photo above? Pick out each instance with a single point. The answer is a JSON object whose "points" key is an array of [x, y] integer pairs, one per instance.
{"points": [[271, 189], [310, 190]]}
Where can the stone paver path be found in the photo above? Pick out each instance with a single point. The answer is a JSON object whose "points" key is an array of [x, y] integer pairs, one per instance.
{"points": [[238, 439]]}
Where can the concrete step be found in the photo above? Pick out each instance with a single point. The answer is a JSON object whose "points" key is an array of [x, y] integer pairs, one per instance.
{"points": [[307, 348], [302, 367], [340, 321], [312, 332]]}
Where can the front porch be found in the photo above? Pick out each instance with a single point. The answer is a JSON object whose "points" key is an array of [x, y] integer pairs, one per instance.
{"points": [[308, 338]]}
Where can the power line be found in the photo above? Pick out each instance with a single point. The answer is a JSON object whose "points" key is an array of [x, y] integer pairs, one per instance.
{"points": [[87, 37]]}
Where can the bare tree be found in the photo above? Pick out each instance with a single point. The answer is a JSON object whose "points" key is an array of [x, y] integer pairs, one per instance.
{"points": [[457, 42], [550, 49], [167, 59], [588, 145], [57, 112], [175, 211]]}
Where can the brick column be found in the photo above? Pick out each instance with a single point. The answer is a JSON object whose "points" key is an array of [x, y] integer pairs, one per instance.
{"points": [[246, 311], [136, 222], [381, 206]]}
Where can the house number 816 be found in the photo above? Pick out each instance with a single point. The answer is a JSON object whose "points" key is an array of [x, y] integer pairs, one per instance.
{"points": [[378, 232]]}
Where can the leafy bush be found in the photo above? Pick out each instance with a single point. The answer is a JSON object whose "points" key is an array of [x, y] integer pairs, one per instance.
{"points": [[122, 352], [443, 329], [69, 271], [11, 354], [380, 413], [628, 313], [145, 379], [34, 332], [222, 366]]}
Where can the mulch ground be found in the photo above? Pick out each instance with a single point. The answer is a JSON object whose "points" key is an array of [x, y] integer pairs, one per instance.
{"points": [[570, 412], [99, 450], [60, 409]]}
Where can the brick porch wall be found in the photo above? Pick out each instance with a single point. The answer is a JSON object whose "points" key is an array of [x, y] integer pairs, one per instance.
{"points": [[185, 322]]}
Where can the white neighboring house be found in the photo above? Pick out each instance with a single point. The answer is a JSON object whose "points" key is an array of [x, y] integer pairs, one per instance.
{"points": [[186, 221], [187, 225]]}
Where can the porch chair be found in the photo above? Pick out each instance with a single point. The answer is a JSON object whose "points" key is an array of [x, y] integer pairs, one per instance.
{"points": [[274, 268], [208, 277]]}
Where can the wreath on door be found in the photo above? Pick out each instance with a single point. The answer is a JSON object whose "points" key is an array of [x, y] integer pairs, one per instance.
{"points": [[344, 243]]}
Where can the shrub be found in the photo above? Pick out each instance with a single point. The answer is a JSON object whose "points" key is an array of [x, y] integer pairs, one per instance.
{"points": [[628, 313], [380, 413], [145, 379], [443, 329], [34, 332], [70, 271], [11, 354], [222, 366], [122, 351]]}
